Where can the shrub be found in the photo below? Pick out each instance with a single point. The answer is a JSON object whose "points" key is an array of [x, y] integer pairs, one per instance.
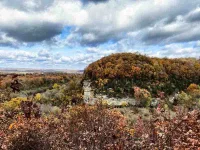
{"points": [[94, 127], [192, 87], [55, 110], [4, 95], [38, 97], [105, 102], [49, 109], [194, 90], [142, 96], [124, 104], [85, 127], [185, 99], [56, 86], [198, 103], [181, 132], [13, 104], [27, 135]]}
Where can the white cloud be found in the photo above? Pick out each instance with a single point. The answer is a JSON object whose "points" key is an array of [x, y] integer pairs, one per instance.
{"points": [[92, 50], [7, 41], [153, 27], [31, 4], [176, 51], [99, 22], [44, 53]]}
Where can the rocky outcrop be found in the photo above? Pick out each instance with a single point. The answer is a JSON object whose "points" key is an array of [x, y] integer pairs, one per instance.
{"points": [[90, 98], [88, 91]]}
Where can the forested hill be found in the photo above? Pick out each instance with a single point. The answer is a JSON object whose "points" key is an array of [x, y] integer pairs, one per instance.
{"points": [[126, 70]]}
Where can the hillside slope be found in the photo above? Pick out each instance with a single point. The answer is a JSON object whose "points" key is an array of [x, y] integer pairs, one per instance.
{"points": [[122, 71]]}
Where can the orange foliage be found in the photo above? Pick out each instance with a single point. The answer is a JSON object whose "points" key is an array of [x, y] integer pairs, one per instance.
{"points": [[145, 71]]}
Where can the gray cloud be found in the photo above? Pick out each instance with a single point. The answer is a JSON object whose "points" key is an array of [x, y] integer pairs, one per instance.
{"points": [[28, 5], [156, 36], [182, 29], [156, 21], [44, 53], [34, 32], [194, 16], [7, 41], [151, 21], [191, 35], [94, 1], [177, 50], [94, 39], [36, 21]]}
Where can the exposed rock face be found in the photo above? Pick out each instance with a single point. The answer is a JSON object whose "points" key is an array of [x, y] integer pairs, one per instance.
{"points": [[155, 102], [112, 101], [88, 92], [171, 99], [91, 99], [174, 99]]}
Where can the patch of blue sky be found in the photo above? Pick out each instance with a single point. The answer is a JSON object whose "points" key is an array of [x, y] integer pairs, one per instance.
{"points": [[107, 44], [69, 51], [66, 31]]}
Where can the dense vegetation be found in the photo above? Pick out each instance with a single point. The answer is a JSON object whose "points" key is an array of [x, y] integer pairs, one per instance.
{"points": [[117, 74], [47, 111], [31, 81], [95, 127], [60, 86]]}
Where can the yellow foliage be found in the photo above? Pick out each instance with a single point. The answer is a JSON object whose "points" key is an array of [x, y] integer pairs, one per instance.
{"points": [[102, 82], [13, 104], [38, 97], [124, 104], [132, 131], [56, 86], [11, 126], [194, 90], [192, 87], [104, 102], [198, 102]]}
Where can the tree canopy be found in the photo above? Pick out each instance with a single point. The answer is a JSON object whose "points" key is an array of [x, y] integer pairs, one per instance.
{"points": [[149, 72]]}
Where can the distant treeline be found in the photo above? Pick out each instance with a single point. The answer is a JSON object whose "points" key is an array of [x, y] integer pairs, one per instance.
{"points": [[31, 81], [122, 71]]}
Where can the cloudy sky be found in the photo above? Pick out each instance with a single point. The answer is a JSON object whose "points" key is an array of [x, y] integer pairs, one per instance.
{"points": [[70, 34]]}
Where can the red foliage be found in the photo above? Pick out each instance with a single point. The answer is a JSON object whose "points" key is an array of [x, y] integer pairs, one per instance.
{"points": [[95, 127]]}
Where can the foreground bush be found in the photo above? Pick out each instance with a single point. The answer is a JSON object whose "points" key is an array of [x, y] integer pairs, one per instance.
{"points": [[97, 128], [27, 135], [84, 127], [182, 132]]}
